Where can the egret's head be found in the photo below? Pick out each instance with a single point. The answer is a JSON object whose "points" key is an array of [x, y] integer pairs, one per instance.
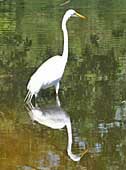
{"points": [[73, 13], [70, 13]]}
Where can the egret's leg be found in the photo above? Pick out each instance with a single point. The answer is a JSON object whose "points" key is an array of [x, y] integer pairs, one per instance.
{"points": [[58, 101], [30, 98], [36, 95], [27, 96], [57, 88], [30, 105], [35, 103]]}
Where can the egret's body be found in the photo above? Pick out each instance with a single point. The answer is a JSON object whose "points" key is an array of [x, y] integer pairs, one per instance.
{"points": [[47, 75], [50, 73]]}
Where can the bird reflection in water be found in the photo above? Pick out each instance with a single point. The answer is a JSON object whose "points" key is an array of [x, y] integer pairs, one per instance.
{"points": [[56, 118]]}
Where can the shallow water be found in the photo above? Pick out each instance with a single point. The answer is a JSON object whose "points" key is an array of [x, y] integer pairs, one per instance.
{"points": [[92, 95]]}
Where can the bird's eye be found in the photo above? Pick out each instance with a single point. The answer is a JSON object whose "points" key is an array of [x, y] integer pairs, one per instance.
{"points": [[74, 15]]}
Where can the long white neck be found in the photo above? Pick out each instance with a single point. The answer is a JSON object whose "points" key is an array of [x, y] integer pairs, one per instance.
{"points": [[65, 34]]}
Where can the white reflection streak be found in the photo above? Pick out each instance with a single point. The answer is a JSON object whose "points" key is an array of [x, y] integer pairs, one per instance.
{"points": [[56, 118]]}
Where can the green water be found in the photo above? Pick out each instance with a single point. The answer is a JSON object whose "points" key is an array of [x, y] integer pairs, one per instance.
{"points": [[91, 92]]}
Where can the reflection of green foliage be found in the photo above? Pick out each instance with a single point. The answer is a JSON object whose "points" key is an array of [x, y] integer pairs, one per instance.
{"points": [[6, 25], [7, 17], [14, 54]]}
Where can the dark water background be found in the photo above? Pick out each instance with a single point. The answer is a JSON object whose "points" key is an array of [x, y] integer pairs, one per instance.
{"points": [[91, 92]]}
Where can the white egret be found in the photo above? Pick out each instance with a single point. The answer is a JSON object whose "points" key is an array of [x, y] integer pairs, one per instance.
{"points": [[50, 73]]}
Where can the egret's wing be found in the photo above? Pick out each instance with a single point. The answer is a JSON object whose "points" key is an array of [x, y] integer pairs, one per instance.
{"points": [[47, 73]]}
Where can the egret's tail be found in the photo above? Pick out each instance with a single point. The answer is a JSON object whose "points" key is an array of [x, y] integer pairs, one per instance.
{"points": [[28, 97]]}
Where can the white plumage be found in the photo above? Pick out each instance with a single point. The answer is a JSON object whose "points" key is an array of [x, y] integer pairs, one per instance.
{"points": [[50, 73]]}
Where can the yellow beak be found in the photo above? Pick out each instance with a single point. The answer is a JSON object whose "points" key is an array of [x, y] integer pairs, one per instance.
{"points": [[81, 16]]}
